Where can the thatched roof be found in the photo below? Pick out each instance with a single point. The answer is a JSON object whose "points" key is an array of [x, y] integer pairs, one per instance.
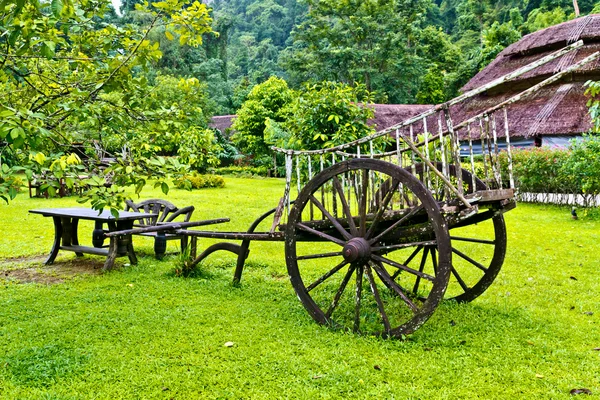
{"points": [[221, 122], [557, 109], [387, 115]]}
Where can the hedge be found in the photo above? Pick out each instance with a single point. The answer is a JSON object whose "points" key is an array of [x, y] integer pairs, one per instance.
{"points": [[573, 171]]}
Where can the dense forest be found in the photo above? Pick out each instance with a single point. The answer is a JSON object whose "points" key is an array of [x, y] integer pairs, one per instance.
{"points": [[405, 51]]}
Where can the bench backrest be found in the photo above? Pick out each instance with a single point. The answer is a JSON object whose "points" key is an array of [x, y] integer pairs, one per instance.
{"points": [[166, 211]]}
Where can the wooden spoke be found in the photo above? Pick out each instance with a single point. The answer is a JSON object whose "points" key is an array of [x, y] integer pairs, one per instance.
{"points": [[403, 246], [408, 260], [387, 279], [331, 218], [421, 268], [460, 281], [433, 259], [362, 208], [402, 267], [395, 225], [327, 275], [472, 240], [469, 259], [338, 188], [375, 291], [340, 291], [382, 206], [358, 298], [321, 255], [320, 234]]}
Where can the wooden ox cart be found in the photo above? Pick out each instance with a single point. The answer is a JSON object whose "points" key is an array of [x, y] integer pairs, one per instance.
{"points": [[384, 228]]}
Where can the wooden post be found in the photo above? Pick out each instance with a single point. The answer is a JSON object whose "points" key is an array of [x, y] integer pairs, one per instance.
{"points": [[576, 7]]}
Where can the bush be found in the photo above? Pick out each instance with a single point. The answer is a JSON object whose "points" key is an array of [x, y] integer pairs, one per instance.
{"points": [[198, 181], [572, 171], [242, 171]]}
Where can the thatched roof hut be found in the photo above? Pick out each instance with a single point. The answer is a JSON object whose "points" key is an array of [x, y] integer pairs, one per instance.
{"points": [[554, 114], [557, 110]]}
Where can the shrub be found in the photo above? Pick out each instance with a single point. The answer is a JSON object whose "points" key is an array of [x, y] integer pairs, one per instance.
{"points": [[198, 181], [572, 171], [242, 171]]}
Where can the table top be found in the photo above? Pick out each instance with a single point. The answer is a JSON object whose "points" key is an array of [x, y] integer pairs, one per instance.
{"points": [[89, 214]]}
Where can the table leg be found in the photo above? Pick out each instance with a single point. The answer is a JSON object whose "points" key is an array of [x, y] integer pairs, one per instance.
{"points": [[74, 237], [131, 254], [112, 253], [57, 237], [98, 234]]}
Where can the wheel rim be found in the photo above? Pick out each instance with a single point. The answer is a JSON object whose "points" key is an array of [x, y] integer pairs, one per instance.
{"points": [[478, 249], [346, 279]]}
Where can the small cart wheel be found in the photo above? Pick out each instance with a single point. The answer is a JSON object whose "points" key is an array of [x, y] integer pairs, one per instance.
{"points": [[342, 240], [478, 248]]}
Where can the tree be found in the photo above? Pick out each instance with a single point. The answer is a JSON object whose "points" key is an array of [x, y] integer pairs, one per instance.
{"points": [[265, 101], [62, 66], [369, 42], [327, 114]]}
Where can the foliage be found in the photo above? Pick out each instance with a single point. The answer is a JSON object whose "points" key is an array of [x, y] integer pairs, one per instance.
{"points": [[198, 181], [64, 72], [184, 264], [227, 153], [367, 42], [51, 173], [432, 88], [541, 170], [495, 39], [325, 115], [593, 92], [266, 100], [583, 164], [541, 18], [242, 171]]}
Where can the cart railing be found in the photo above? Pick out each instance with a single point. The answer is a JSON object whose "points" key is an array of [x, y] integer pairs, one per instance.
{"points": [[429, 144]]}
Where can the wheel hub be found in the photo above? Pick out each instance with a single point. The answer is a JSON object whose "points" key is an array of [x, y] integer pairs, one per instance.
{"points": [[357, 249]]}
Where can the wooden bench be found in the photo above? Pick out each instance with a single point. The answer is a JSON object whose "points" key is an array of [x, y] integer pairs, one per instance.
{"points": [[160, 212]]}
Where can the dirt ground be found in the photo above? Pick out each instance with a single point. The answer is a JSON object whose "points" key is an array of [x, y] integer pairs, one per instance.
{"points": [[33, 270]]}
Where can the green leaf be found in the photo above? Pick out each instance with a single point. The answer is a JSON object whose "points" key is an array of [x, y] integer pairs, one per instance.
{"points": [[56, 6], [19, 7], [165, 188], [139, 186], [169, 35], [47, 49], [16, 132], [115, 212], [14, 35]]}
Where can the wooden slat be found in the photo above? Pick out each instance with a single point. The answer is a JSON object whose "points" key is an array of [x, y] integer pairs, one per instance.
{"points": [[87, 250]]}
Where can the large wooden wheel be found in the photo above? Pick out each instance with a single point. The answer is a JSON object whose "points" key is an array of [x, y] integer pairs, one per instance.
{"points": [[344, 239], [478, 243]]}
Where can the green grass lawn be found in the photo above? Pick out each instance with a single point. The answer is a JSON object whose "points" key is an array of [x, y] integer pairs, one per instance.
{"points": [[69, 331]]}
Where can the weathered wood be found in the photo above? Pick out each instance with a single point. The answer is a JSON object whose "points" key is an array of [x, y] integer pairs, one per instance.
{"points": [[112, 254], [486, 196], [86, 250], [259, 236], [86, 213], [167, 226], [57, 239], [66, 223]]}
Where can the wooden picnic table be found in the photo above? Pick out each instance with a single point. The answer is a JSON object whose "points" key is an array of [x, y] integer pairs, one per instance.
{"points": [[66, 222]]}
